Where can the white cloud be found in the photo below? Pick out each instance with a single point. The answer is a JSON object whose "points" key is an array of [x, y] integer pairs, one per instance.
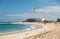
{"points": [[49, 9], [48, 12], [25, 15]]}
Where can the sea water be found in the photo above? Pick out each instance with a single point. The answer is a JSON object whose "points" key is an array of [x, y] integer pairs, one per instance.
{"points": [[12, 27]]}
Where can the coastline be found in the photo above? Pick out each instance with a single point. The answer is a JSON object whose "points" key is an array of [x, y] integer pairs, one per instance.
{"points": [[30, 27], [31, 34]]}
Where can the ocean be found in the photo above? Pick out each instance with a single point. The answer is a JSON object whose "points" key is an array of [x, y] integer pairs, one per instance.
{"points": [[12, 27]]}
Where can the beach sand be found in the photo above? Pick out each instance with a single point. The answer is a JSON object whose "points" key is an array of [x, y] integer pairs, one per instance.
{"points": [[49, 31]]}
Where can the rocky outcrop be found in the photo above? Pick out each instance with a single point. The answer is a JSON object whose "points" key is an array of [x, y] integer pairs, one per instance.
{"points": [[34, 20]]}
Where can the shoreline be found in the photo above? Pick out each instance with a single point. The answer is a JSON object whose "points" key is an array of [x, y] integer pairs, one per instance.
{"points": [[47, 30], [31, 27]]}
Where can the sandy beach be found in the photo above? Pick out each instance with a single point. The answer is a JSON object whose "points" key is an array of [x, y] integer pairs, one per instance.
{"points": [[49, 31]]}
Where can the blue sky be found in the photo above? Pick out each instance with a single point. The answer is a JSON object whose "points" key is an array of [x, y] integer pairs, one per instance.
{"points": [[18, 10]]}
